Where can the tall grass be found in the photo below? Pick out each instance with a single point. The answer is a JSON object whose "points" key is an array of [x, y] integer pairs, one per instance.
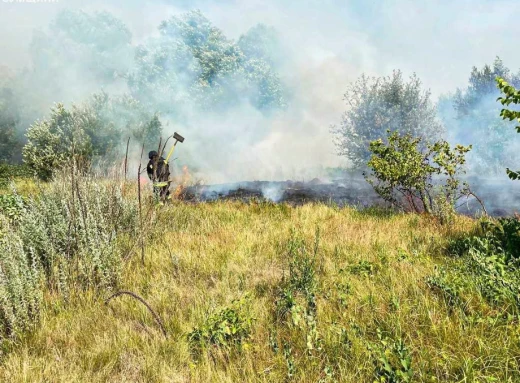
{"points": [[265, 292]]}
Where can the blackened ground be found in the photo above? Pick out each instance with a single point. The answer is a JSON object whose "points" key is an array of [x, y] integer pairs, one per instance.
{"points": [[501, 198]]}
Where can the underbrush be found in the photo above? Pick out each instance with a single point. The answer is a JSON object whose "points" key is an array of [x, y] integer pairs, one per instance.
{"points": [[58, 241], [21, 287], [263, 292], [12, 206], [489, 263], [10, 172], [225, 331]]}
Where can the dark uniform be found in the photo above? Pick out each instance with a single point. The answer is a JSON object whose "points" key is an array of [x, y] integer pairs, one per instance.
{"points": [[159, 173]]}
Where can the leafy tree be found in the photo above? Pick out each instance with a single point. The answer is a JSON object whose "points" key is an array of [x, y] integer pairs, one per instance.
{"points": [[421, 180], [482, 83], [192, 64], [55, 142], [379, 104], [471, 116], [75, 56], [215, 54], [512, 96], [8, 142], [117, 118], [95, 129], [261, 42]]}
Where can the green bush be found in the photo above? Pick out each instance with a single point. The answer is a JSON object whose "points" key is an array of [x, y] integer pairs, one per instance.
{"points": [[447, 289], [505, 234], [64, 237], [9, 172], [492, 260], [421, 180], [53, 143], [72, 226], [86, 133], [12, 206], [512, 96], [376, 105], [392, 360], [21, 291]]}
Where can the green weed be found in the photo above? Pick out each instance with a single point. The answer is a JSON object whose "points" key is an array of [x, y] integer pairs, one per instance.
{"points": [[12, 206], [228, 329], [392, 360]]}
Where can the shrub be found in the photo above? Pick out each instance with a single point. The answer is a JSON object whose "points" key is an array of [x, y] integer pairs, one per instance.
{"points": [[491, 260], [505, 233], [72, 227], [53, 143], [12, 206], [8, 172], [379, 104], [512, 95], [21, 290], [416, 179], [447, 289], [66, 237], [92, 131], [497, 279]]}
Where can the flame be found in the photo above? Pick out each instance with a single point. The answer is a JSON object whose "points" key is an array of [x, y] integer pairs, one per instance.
{"points": [[183, 182]]}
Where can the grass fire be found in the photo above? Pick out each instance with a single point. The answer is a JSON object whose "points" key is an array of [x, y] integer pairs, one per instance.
{"points": [[328, 217]]}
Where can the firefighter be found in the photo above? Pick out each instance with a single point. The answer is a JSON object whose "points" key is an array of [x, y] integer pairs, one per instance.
{"points": [[159, 173]]}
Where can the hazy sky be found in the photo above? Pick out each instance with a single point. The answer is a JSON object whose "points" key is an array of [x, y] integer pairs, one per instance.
{"points": [[439, 39]]}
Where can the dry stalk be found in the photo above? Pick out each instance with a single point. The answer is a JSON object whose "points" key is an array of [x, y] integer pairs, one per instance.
{"points": [[126, 157], [140, 205], [142, 234], [125, 170], [470, 192], [133, 295]]}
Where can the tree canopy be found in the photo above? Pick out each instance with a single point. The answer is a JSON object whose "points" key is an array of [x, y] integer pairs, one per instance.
{"points": [[96, 129], [190, 68], [471, 116], [194, 64], [376, 105], [9, 141], [510, 96]]}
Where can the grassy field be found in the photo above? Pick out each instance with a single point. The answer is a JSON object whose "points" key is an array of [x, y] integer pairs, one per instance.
{"points": [[261, 292]]}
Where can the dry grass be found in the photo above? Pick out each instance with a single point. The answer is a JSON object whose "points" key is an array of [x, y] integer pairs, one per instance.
{"points": [[201, 257]]}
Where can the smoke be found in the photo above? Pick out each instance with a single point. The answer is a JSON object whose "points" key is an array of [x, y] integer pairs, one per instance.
{"points": [[325, 45], [245, 144]]}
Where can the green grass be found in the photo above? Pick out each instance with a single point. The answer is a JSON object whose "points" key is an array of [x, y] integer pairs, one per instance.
{"points": [[361, 305]]}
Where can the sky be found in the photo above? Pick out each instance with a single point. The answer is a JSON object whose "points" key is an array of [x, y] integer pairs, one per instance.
{"points": [[440, 40], [331, 43]]}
